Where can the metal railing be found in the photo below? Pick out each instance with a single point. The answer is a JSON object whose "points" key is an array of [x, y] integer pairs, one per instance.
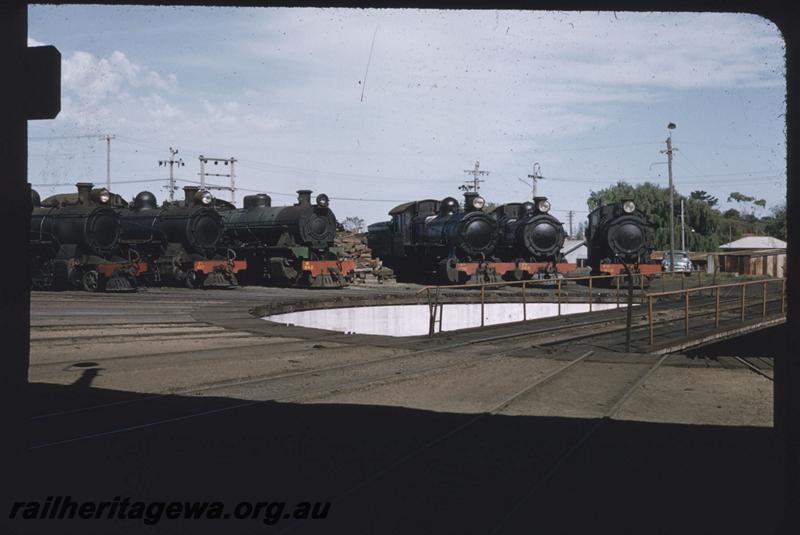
{"points": [[436, 307], [717, 289]]}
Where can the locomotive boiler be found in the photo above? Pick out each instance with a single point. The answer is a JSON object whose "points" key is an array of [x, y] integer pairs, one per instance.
{"points": [[180, 241], [530, 241], [288, 245], [437, 240], [618, 235], [74, 243]]}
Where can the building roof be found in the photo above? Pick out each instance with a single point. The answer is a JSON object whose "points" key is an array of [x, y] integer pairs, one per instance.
{"points": [[573, 256], [755, 242]]}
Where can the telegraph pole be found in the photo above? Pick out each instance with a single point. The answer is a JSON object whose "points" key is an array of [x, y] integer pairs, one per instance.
{"points": [[476, 173], [537, 174], [570, 215], [683, 237], [171, 162], [108, 138], [671, 127], [232, 176]]}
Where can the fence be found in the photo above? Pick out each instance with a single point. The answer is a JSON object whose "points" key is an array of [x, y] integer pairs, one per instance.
{"points": [[717, 289]]}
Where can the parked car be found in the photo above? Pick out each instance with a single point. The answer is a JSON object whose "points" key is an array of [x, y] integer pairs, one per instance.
{"points": [[682, 262]]}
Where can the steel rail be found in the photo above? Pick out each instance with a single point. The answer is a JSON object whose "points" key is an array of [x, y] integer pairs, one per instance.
{"points": [[578, 444]]}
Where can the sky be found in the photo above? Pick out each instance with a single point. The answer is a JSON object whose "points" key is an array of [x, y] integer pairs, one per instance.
{"points": [[375, 107]]}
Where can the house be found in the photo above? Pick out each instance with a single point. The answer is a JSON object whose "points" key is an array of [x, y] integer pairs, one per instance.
{"points": [[751, 255]]}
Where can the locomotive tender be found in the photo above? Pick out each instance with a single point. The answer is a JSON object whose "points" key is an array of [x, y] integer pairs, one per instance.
{"points": [[435, 240], [180, 241], [74, 243], [530, 241], [291, 245], [617, 236]]}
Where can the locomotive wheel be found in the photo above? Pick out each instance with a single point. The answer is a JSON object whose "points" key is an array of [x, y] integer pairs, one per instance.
{"points": [[92, 281], [194, 279]]}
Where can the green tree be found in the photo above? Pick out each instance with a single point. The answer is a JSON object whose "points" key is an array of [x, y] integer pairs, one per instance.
{"points": [[776, 225], [701, 195]]}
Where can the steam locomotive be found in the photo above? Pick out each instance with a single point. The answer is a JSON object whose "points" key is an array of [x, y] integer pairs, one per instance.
{"points": [[530, 241], [74, 243], [435, 240], [288, 245], [181, 241], [617, 236]]}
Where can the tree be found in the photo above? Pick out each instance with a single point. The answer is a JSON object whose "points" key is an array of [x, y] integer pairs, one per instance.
{"points": [[353, 224], [742, 198], [701, 195], [776, 225]]}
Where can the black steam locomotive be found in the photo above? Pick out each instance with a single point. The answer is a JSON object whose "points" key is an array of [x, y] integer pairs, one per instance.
{"points": [[617, 236], [74, 243], [180, 241], [530, 241], [434, 240], [288, 244]]}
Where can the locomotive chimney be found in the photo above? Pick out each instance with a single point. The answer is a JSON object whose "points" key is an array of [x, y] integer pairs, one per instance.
{"points": [[303, 197], [84, 192], [188, 194], [36, 200]]}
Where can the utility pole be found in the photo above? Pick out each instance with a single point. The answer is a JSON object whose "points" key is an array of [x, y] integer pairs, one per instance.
{"points": [[476, 173], [671, 127], [537, 174], [570, 215], [683, 234], [232, 176], [108, 138], [171, 162]]}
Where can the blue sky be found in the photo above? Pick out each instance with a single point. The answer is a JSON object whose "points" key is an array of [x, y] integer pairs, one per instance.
{"points": [[586, 95]]}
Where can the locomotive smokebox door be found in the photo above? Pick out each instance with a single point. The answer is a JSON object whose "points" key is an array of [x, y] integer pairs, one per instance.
{"points": [[43, 83]]}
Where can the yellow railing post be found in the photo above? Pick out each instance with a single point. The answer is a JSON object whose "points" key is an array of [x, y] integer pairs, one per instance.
{"points": [[650, 317], [559, 297], [783, 296], [641, 286], [524, 303], [686, 312], [590, 294], [483, 293], [744, 291], [764, 301], [716, 318]]}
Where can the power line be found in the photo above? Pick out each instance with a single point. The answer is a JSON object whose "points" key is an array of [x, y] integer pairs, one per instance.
{"points": [[140, 181]]}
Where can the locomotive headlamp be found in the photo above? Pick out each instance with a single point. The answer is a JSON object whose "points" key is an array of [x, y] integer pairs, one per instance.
{"points": [[323, 201], [628, 207], [543, 205], [479, 202], [206, 198], [104, 196]]}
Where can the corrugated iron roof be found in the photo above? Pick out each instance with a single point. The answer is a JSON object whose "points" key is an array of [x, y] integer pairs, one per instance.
{"points": [[755, 242]]}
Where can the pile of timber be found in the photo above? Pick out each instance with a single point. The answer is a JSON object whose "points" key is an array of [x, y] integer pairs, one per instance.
{"points": [[355, 246]]}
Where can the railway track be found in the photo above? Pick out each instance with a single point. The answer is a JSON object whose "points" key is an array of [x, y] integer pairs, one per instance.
{"points": [[297, 383]]}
